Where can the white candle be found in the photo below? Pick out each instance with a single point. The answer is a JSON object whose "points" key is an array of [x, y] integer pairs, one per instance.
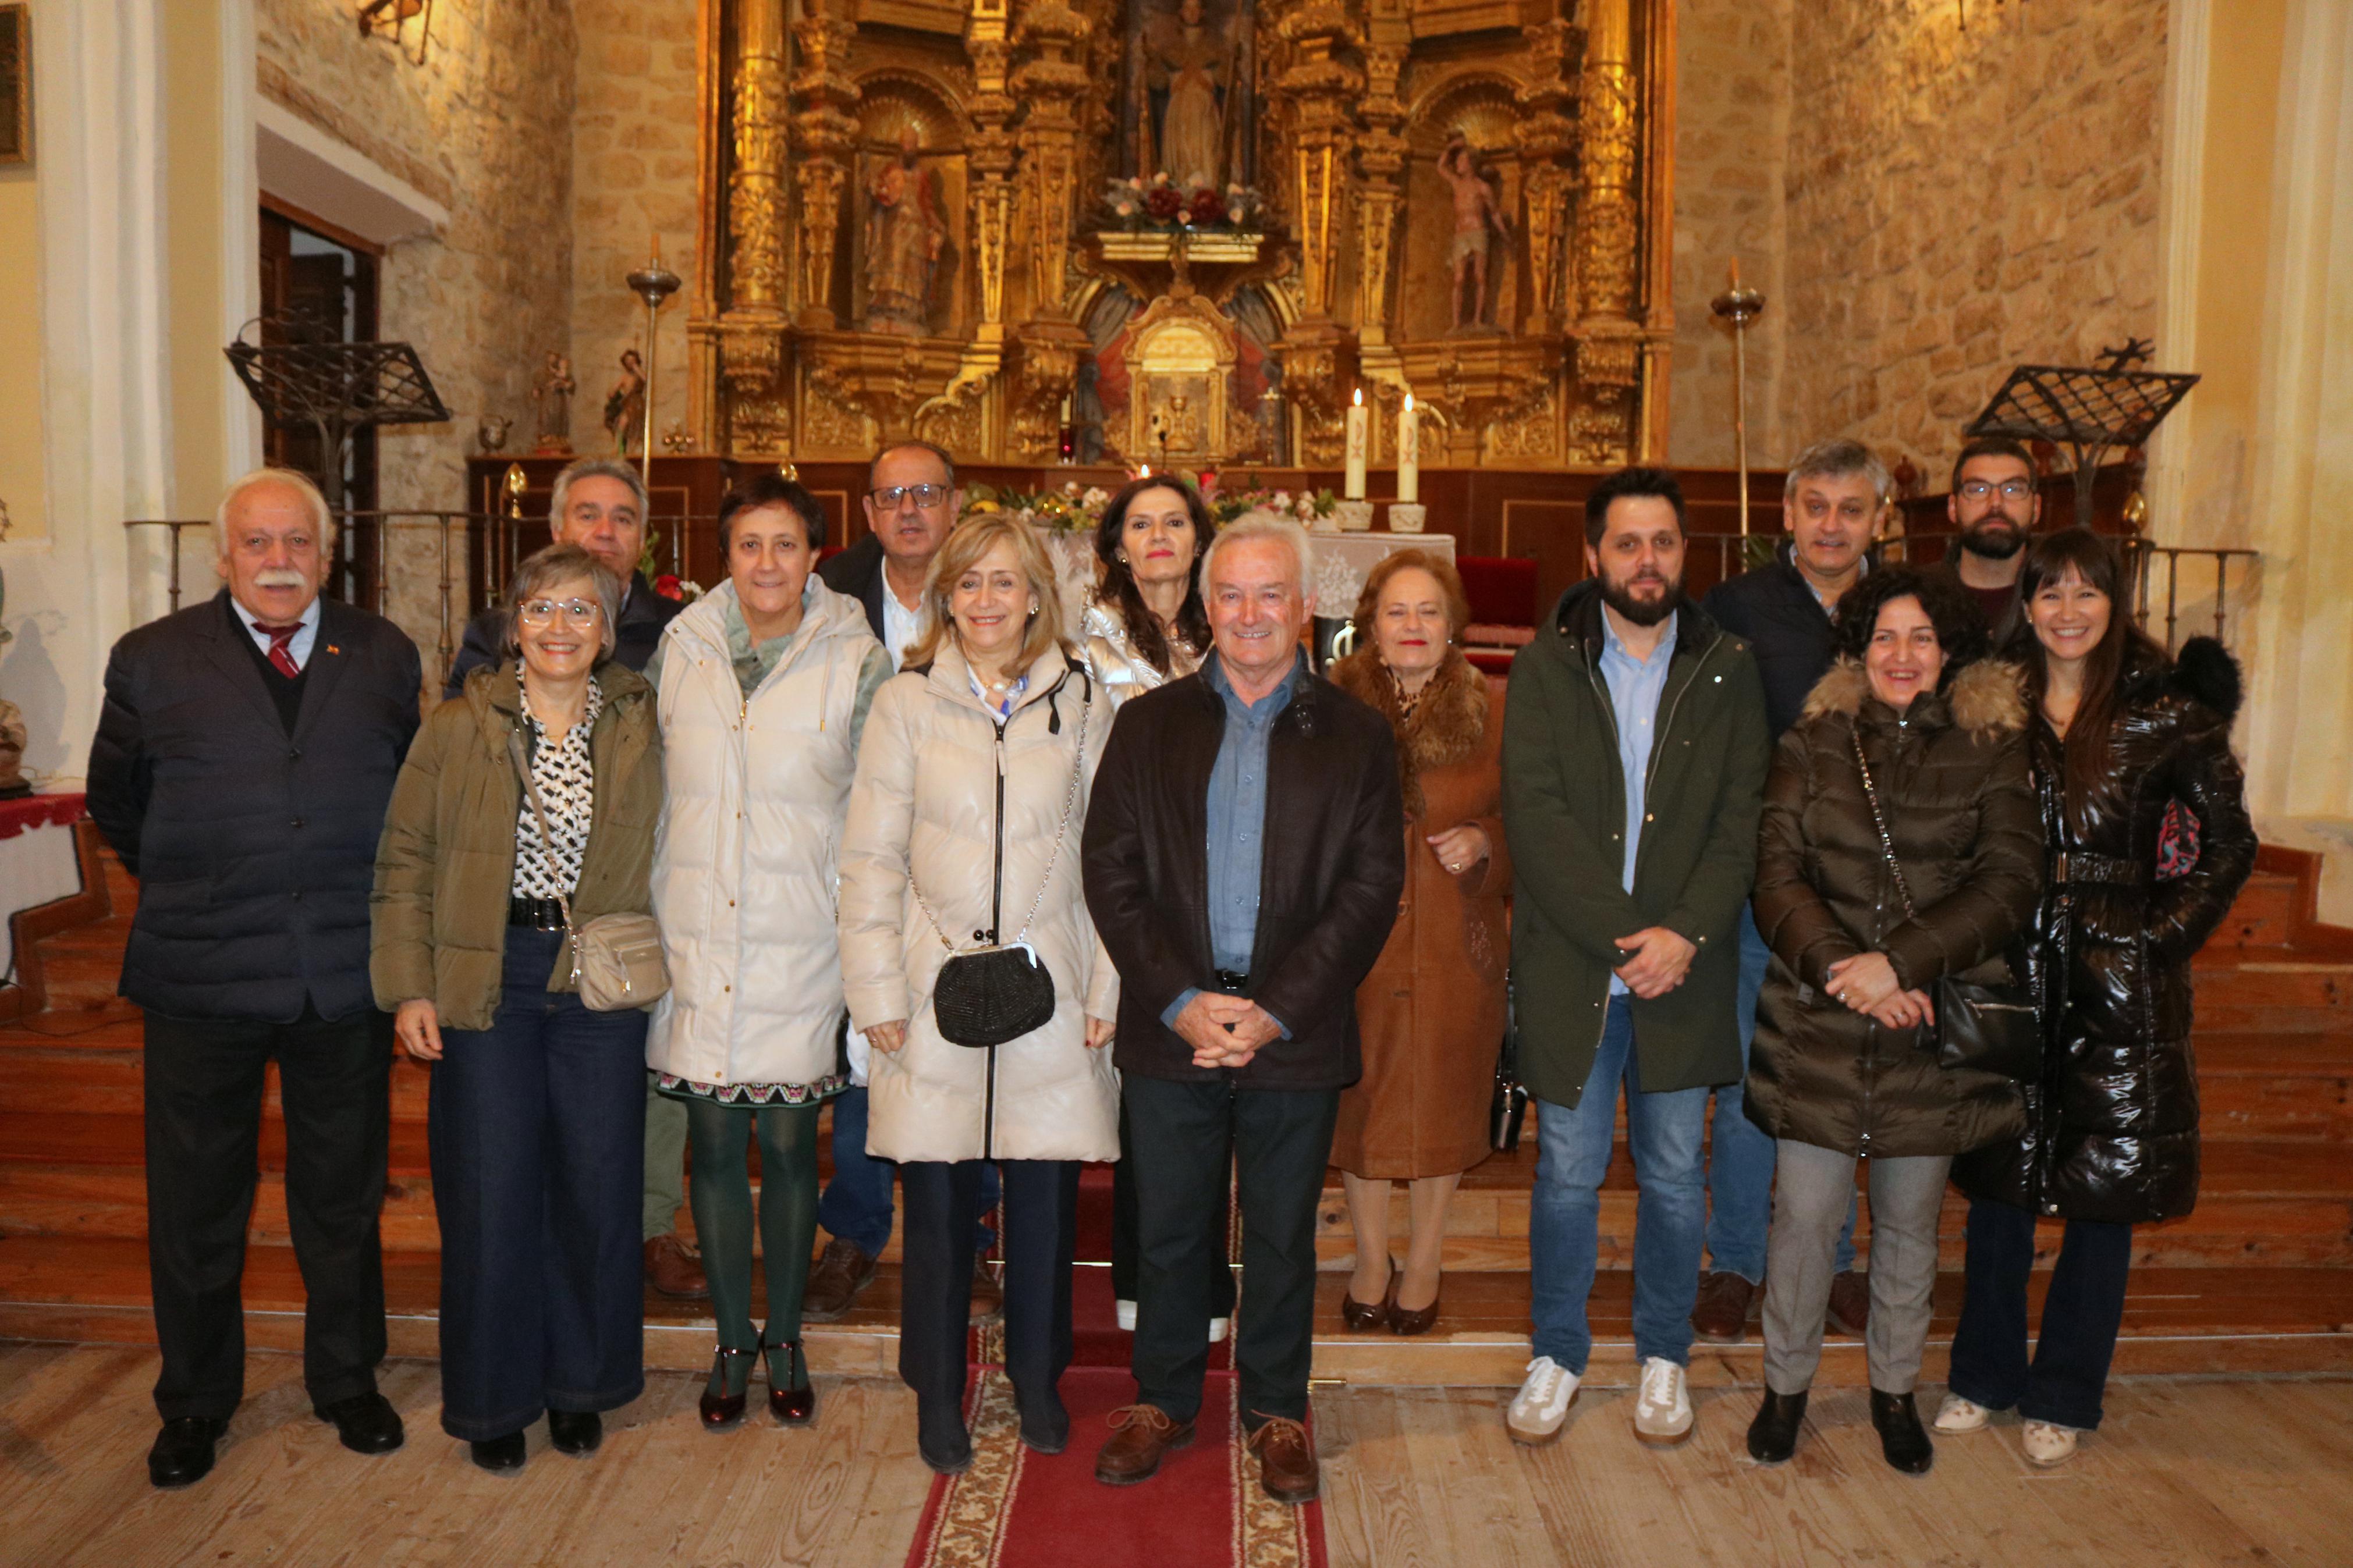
{"points": [[1357, 434], [1409, 443]]}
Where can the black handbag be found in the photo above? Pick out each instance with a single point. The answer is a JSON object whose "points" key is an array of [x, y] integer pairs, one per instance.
{"points": [[1509, 1107], [1986, 1029], [994, 991]]}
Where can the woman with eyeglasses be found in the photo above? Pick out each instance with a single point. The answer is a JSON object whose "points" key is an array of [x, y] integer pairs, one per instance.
{"points": [[2132, 759], [537, 1109]]}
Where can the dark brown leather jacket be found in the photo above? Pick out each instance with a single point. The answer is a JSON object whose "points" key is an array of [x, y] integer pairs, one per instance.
{"points": [[1952, 781], [2113, 1133], [1334, 870]]}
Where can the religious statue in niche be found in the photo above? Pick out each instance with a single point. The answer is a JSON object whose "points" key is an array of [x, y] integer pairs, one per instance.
{"points": [[1192, 64], [550, 397], [905, 231], [624, 406], [1477, 217]]}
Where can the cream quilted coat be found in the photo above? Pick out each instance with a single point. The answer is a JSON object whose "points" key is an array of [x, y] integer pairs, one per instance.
{"points": [[753, 794], [928, 793]]}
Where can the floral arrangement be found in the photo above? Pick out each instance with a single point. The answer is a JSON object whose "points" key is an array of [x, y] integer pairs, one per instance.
{"points": [[1136, 203], [1073, 509]]}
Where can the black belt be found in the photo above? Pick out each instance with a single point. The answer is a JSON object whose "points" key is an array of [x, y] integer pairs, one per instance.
{"points": [[2071, 868], [539, 914], [1231, 984]]}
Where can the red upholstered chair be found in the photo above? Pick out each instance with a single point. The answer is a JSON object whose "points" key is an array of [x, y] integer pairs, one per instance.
{"points": [[1502, 590]]}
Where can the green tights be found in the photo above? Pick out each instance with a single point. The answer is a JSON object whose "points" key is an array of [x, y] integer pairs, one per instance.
{"points": [[720, 1195]]}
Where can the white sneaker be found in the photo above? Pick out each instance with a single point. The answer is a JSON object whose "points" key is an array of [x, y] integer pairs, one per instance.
{"points": [[1219, 1328], [1125, 1312], [1957, 1415], [2047, 1445], [1542, 1404], [1662, 1411]]}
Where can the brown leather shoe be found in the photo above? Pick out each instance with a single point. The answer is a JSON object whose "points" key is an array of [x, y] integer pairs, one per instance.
{"points": [[1849, 1310], [1141, 1435], [1413, 1320], [1286, 1463], [1358, 1317], [843, 1270], [987, 1293], [672, 1270], [1721, 1317]]}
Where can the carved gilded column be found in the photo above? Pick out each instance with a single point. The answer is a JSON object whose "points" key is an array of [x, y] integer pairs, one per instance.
{"points": [[1380, 161], [989, 156], [751, 328], [824, 129], [1546, 136], [1315, 91], [1608, 239], [1050, 82]]}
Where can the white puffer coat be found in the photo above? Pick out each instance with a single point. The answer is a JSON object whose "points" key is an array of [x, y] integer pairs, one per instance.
{"points": [[744, 862], [927, 793]]}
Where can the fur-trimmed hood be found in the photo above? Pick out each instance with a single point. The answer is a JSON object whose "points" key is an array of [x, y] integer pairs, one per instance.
{"points": [[1988, 695], [1446, 726]]}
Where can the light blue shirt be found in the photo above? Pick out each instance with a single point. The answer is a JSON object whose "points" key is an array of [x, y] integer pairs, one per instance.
{"points": [[1635, 686], [299, 646], [1237, 823]]}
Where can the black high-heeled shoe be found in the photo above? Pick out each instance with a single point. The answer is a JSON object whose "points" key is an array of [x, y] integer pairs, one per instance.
{"points": [[791, 1398], [1901, 1438], [724, 1409], [1358, 1317], [575, 1431]]}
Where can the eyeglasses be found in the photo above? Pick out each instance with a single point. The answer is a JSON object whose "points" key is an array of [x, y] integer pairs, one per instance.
{"points": [[2011, 489], [888, 498], [540, 612]]}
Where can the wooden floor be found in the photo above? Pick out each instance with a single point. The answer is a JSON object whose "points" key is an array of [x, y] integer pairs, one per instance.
{"points": [[2193, 1471]]}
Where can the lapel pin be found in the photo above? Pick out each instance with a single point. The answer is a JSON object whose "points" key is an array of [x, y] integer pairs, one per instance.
{"points": [[332, 648]]}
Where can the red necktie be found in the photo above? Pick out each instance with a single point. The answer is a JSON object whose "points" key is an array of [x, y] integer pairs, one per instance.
{"points": [[280, 655]]}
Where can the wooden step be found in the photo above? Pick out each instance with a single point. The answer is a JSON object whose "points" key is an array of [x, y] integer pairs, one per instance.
{"points": [[2265, 915], [2249, 1321]]}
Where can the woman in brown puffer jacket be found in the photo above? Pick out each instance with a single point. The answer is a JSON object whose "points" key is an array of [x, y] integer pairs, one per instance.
{"points": [[2124, 736], [1842, 1066]]}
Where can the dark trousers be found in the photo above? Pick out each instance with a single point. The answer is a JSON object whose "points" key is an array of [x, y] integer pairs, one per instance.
{"points": [[856, 1206], [2080, 1317], [1281, 1142], [204, 1128], [1126, 1267], [1041, 1237], [538, 1146]]}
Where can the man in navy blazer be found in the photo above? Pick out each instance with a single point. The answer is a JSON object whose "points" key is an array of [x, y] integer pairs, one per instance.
{"points": [[241, 769]]}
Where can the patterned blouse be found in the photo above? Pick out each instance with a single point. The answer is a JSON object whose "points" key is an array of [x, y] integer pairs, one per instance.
{"points": [[567, 780]]}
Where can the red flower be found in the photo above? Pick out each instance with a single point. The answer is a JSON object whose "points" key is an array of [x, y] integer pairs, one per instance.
{"points": [[1164, 202], [1206, 207], [669, 587]]}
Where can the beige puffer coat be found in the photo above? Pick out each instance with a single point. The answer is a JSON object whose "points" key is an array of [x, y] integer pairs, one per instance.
{"points": [[754, 793], [934, 771]]}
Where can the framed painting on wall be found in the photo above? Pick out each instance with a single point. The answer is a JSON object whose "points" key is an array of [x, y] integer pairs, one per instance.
{"points": [[16, 85]]}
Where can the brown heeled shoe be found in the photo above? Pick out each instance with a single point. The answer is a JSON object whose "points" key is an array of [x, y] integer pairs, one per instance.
{"points": [[1417, 1321], [1359, 1318], [722, 1411], [791, 1405]]}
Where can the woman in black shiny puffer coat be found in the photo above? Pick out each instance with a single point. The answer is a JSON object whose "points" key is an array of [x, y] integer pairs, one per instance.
{"points": [[2132, 755]]}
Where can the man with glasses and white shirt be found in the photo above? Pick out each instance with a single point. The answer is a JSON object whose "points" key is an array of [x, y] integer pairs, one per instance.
{"points": [[911, 503], [1995, 505], [599, 505]]}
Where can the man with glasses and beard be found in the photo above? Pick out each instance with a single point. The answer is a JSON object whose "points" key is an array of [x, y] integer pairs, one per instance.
{"points": [[1995, 505], [1634, 757]]}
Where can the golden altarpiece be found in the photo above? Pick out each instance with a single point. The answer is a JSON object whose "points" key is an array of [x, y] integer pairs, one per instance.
{"points": [[1184, 231]]}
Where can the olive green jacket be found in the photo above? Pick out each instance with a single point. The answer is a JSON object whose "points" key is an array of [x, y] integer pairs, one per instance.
{"points": [[1564, 810], [445, 867]]}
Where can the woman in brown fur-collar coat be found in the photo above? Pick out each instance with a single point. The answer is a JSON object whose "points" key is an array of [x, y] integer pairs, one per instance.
{"points": [[1432, 1012]]}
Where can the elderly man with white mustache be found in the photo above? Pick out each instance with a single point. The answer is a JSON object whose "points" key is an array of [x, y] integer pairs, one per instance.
{"points": [[241, 770]]}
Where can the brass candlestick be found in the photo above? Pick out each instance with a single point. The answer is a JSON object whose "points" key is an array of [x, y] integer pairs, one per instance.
{"points": [[1739, 306], [653, 283]]}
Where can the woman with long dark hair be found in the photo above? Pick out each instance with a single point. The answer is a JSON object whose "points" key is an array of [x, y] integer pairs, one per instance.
{"points": [[2123, 740]]}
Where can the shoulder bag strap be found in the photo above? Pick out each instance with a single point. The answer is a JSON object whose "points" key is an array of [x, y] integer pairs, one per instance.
{"points": [[1886, 844]]}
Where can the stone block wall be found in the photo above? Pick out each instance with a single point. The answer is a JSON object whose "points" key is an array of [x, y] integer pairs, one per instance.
{"points": [[1732, 124], [1969, 188], [633, 159], [483, 127]]}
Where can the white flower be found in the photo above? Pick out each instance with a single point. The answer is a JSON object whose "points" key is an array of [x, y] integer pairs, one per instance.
{"points": [[1233, 215], [1124, 209], [1305, 507], [1070, 487], [1280, 500], [1096, 499]]}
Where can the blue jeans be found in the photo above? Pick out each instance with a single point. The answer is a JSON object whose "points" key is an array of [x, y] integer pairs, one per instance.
{"points": [[1740, 1152], [856, 1207], [536, 1133], [2081, 1316], [1573, 1147]]}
